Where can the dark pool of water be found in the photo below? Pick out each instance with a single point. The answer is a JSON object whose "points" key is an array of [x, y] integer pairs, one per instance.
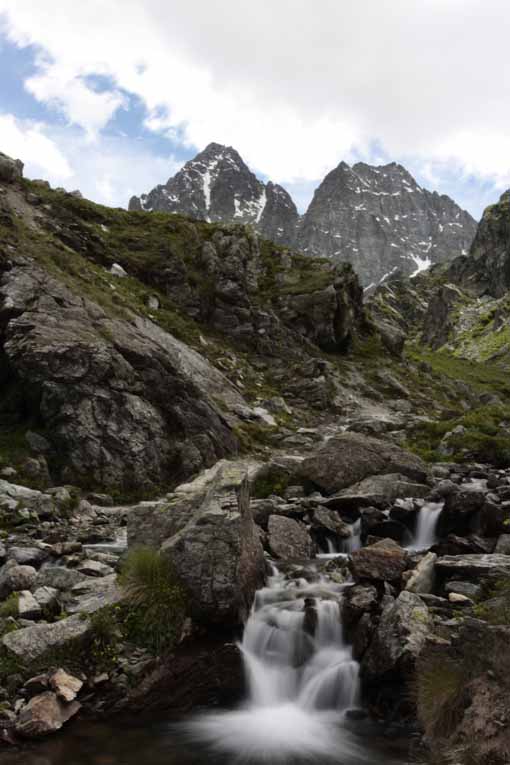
{"points": [[129, 742]]}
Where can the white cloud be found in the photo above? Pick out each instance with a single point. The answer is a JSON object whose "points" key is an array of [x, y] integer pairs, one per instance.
{"points": [[294, 85], [26, 140]]}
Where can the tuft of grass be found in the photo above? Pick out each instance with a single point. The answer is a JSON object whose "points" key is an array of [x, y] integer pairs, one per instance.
{"points": [[440, 694], [155, 604], [10, 606]]}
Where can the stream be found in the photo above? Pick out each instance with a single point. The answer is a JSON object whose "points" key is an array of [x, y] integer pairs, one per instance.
{"points": [[303, 702]]}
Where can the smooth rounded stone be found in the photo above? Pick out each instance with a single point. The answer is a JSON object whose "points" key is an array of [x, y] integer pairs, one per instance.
{"points": [[95, 568], [27, 556], [383, 561], [58, 577], [347, 459], [423, 577], [44, 714], [65, 686], [31, 643], [288, 538], [28, 606], [503, 545], [472, 591], [14, 578]]}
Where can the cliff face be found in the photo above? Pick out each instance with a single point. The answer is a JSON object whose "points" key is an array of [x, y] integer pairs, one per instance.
{"points": [[376, 218], [381, 221]]}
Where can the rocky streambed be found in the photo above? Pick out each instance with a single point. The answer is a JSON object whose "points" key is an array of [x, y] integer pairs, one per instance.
{"points": [[390, 575]]}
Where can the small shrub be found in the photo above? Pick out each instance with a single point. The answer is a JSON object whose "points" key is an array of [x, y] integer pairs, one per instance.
{"points": [[10, 606], [154, 610]]}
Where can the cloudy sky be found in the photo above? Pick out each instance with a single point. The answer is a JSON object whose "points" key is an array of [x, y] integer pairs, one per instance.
{"points": [[113, 96]]}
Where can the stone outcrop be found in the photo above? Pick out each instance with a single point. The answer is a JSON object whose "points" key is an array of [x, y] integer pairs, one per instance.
{"points": [[288, 538], [349, 458], [31, 643], [44, 714], [212, 542], [383, 561]]}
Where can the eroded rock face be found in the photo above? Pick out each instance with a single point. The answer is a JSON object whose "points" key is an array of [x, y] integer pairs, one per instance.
{"points": [[346, 459], [123, 402], [10, 169], [399, 638], [212, 542]]}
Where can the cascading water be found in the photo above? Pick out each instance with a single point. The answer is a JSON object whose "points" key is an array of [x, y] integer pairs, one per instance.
{"points": [[428, 517], [336, 546], [302, 678]]}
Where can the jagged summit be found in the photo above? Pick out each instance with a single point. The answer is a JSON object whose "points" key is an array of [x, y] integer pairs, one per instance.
{"points": [[377, 218], [218, 186]]}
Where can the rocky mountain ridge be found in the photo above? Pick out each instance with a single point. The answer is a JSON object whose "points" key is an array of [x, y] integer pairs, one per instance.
{"points": [[377, 218]]}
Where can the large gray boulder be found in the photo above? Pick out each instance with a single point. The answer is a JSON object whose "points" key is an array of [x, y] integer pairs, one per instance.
{"points": [[350, 457], [209, 535], [288, 539], [472, 566], [378, 490], [399, 639], [14, 578], [31, 643]]}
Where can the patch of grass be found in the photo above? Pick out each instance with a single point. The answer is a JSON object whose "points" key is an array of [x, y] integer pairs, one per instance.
{"points": [[9, 607], [155, 605], [440, 684], [482, 378]]}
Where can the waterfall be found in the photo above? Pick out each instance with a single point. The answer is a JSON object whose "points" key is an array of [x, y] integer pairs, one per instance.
{"points": [[336, 546], [301, 677], [428, 517]]}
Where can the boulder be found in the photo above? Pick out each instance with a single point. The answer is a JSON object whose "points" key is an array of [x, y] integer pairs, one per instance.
{"points": [[458, 511], [323, 518], [95, 568], [213, 542], [14, 578], [503, 545], [27, 556], [357, 600], [288, 539], [28, 607], [347, 459], [423, 577], [468, 589], [11, 170], [31, 643], [377, 490], [472, 566], [399, 639], [58, 577], [382, 561], [495, 518], [47, 598], [65, 686], [92, 594], [44, 714]]}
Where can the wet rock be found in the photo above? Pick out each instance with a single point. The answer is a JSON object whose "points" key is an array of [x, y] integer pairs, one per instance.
{"points": [[357, 600], [31, 643], [288, 539], [503, 545], [423, 577], [65, 686], [382, 561], [347, 459], [400, 637], [323, 518], [14, 578], [44, 714]]}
